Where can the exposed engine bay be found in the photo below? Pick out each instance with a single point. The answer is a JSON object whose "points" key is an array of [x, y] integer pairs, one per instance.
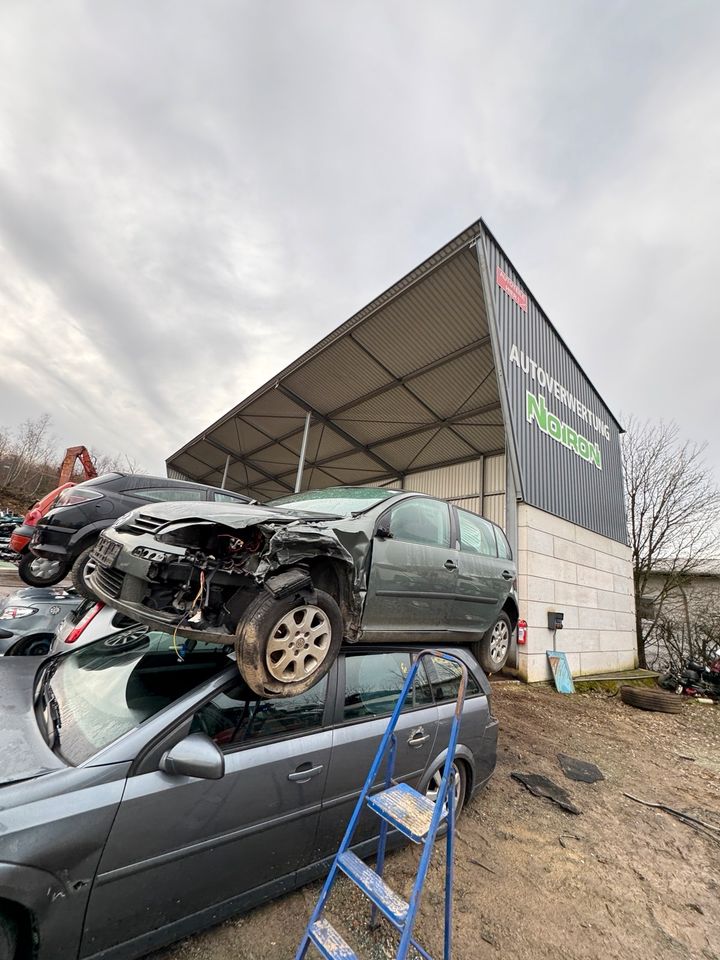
{"points": [[202, 584]]}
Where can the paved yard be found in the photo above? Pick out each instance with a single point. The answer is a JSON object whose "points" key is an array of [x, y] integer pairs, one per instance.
{"points": [[618, 881]]}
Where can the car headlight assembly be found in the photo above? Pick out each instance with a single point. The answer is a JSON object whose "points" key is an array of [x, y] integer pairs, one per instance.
{"points": [[17, 613]]}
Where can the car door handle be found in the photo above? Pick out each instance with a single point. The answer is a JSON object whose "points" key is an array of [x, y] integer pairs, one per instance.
{"points": [[304, 772], [450, 565], [418, 737], [508, 575]]}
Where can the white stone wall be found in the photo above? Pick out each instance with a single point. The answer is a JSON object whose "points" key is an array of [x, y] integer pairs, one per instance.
{"points": [[564, 567]]}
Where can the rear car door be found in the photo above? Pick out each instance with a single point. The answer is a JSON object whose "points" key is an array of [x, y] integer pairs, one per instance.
{"points": [[483, 579], [368, 687], [412, 572], [180, 845]]}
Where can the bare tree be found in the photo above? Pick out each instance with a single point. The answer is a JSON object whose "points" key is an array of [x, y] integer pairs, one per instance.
{"points": [[28, 451], [673, 507], [117, 463]]}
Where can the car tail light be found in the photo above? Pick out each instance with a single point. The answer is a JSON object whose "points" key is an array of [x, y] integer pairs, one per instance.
{"points": [[69, 498], [77, 631], [522, 631]]}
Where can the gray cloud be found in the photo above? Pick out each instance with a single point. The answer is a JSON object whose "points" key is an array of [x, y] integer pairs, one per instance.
{"points": [[192, 194]]}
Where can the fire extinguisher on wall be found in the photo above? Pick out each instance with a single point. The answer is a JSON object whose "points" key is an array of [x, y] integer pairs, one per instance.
{"points": [[522, 630]]}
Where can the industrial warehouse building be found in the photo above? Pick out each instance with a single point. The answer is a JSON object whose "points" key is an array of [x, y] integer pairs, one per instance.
{"points": [[454, 383]]}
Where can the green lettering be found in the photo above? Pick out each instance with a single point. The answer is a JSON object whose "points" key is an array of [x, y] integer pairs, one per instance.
{"points": [[536, 410]]}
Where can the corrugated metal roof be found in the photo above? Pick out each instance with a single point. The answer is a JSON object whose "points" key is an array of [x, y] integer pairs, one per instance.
{"points": [[407, 384]]}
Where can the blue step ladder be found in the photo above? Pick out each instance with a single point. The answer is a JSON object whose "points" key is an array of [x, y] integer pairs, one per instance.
{"points": [[414, 816]]}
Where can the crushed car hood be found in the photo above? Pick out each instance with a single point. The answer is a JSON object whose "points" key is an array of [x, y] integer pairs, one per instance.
{"points": [[235, 517], [23, 750]]}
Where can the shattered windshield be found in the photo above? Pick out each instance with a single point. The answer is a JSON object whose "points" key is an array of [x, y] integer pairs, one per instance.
{"points": [[101, 691], [338, 501]]}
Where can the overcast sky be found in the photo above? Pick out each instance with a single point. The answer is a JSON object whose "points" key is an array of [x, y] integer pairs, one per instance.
{"points": [[193, 193]]}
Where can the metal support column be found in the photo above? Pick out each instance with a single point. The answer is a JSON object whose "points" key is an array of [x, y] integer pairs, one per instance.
{"points": [[225, 472], [303, 448]]}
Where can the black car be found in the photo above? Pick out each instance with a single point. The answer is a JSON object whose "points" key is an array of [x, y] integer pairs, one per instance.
{"points": [[67, 533]]}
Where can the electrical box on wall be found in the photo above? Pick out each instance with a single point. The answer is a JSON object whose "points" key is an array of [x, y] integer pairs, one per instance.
{"points": [[555, 620]]}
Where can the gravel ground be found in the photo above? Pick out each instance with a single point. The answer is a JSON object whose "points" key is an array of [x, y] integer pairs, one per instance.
{"points": [[532, 881]]}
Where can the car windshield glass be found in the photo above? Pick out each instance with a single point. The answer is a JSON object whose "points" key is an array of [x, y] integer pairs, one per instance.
{"points": [[339, 501], [103, 690]]}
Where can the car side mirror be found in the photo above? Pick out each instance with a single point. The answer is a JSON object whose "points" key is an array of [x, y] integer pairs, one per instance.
{"points": [[195, 756], [383, 532]]}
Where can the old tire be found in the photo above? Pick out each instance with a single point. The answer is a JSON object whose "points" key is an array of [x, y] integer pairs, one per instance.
{"points": [[39, 572], [286, 646], [83, 565], [8, 937], [493, 649], [646, 699]]}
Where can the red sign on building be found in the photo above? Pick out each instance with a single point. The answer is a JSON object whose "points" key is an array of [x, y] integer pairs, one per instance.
{"points": [[512, 289]]}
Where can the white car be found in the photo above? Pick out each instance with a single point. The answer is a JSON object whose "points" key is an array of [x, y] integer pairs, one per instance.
{"points": [[93, 620]]}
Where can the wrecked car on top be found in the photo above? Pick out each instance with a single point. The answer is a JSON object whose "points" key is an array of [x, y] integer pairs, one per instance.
{"points": [[288, 581]]}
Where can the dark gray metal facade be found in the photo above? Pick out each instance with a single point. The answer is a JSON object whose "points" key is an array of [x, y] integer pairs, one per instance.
{"points": [[565, 441]]}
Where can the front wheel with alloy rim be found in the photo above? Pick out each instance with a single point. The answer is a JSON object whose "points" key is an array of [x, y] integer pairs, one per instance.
{"points": [[81, 568], [433, 787], [285, 646], [492, 651], [39, 572]]}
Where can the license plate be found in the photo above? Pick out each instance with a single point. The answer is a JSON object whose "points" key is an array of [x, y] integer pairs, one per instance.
{"points": [[106, 551]]}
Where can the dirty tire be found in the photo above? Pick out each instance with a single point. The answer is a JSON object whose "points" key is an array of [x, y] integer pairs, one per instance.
{"points": [[487, 651], [34, 577], [33, 647], [264, 626], [8, 937], [78, 574], [646, 699]]}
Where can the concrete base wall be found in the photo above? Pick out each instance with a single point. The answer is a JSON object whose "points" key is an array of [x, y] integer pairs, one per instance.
{"points": [[564, 567]]}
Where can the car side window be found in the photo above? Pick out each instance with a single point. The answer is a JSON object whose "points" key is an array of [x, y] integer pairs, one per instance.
{"points": [[168, 493], [420, 520], [476, 535], [446, 680], [235, 717], [227, 498], [503, 546], [373, 682]]}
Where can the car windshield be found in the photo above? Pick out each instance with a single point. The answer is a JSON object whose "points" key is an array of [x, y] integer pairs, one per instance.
{"points": [[96, 694], [338, 501]]}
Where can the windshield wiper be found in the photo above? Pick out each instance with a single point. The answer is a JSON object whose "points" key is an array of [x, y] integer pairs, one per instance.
{"points": [[50, 700]]}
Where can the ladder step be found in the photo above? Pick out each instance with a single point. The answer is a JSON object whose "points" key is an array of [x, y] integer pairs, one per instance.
{"points": [[404, 808], [329, 942], [392, 905]]}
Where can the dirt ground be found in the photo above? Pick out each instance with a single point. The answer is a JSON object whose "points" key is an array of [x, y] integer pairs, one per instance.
{"points": [[532, 881]]}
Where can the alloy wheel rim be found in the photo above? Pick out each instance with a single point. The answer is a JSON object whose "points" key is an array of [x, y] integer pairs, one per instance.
{"points": [[499, 641], [299, 642], [44, 569], [433, 787]]}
